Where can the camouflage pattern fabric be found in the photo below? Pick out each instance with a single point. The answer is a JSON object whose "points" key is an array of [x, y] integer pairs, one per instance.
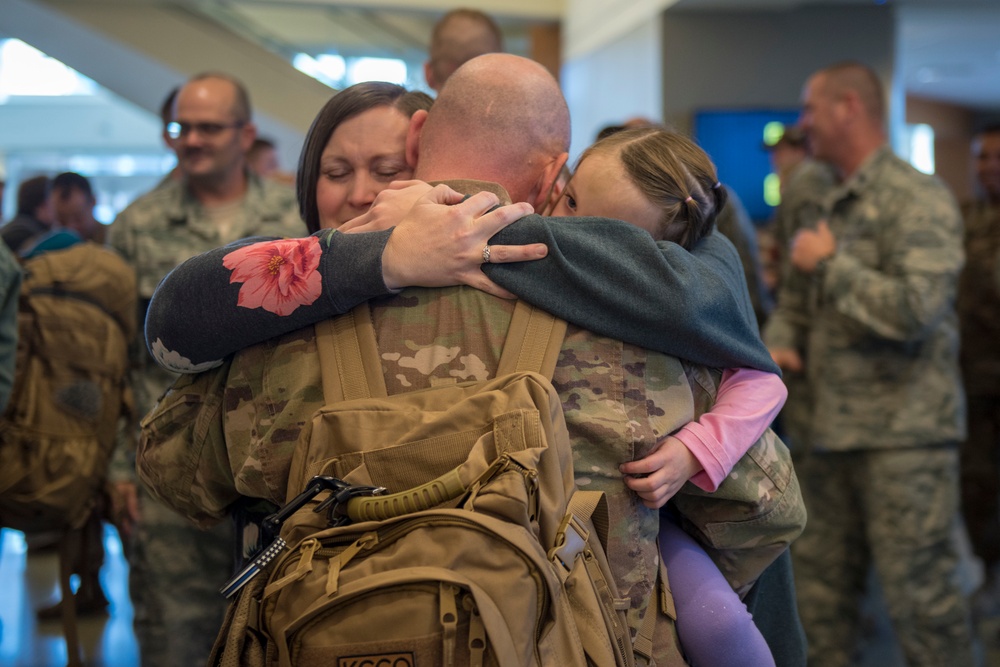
{"points": [[979, 300], [877, 323], [174, 580], [802, 197], [894, 509], [176, 568], [163, 228], [619, 400], [877, 327], [979, 323], [10, 283]]}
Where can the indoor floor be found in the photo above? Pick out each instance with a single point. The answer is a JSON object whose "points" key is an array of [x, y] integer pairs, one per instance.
{"points": [[27, 584]]}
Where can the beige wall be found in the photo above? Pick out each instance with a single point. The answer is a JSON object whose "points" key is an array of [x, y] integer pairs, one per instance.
{"points": [[760, 59], [953, 129]]}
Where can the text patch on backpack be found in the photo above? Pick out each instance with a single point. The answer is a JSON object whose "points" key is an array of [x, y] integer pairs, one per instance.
{"points": [[379, 660]]}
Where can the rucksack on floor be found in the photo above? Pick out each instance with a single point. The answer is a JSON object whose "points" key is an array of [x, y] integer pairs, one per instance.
{"points": [[76, 315], [484, 553]]}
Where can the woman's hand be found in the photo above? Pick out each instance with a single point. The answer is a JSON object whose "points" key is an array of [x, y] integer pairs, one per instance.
{"points": [[389, 208], [439, 241]]}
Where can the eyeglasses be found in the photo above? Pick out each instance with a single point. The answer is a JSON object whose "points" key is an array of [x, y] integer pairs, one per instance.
{"points": [[176, 130]]}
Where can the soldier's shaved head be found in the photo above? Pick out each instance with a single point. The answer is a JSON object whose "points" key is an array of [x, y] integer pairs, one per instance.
{"points": [[499, 118], [843, 114], [859, 79]]}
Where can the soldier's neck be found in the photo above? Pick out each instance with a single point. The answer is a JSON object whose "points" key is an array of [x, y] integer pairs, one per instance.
{"points": [[216, 192]]}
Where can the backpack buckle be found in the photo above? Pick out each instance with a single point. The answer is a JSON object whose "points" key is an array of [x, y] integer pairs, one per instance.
{"points": [[271, 525], [571, 540], [336, 503]]}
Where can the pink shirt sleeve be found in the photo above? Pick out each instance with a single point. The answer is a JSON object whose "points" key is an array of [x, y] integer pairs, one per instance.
{"points": [[747, 402]]}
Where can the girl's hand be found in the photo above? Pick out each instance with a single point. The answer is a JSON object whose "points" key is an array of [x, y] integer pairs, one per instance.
{"points": [[657, 477]]}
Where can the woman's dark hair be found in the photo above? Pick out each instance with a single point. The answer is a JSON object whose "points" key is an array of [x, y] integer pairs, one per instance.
{"points": [[674, 174], [343, 106], [32, 194]]}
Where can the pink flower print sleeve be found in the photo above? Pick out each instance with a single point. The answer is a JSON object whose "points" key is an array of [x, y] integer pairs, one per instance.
{"points": [[278, 276]]}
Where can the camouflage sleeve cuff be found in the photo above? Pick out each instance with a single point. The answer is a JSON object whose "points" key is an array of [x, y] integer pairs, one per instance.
{"points": [[835, 273], [779, 333]]}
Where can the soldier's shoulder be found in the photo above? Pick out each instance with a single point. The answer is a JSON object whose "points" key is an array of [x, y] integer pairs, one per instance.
{"points": [[810, 176], [899, 174], [149, 208], [275, 196], [8, 264]]}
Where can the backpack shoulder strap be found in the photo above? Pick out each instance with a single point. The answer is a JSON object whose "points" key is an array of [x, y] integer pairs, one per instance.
{"points": [[533, 341], [348, 350], [348, 357]]}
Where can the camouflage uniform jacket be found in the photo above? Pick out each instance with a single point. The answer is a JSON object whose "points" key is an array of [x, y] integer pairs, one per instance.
{"points": [[10, 282], [166, 226], [979, 299], [802, 196], [619, 401], [876, 321]]}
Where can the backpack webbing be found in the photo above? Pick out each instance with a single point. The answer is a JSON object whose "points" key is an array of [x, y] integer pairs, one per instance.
{"points": [[347, 343]]}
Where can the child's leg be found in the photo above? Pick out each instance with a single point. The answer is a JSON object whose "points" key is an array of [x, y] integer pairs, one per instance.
{"points": [[714, 626]]}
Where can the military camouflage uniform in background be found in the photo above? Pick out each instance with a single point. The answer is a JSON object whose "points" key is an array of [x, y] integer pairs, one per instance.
{"points": [[176, 568], [802, 197], [877, 328], [10, 284], [979, 323], [619, 400]]}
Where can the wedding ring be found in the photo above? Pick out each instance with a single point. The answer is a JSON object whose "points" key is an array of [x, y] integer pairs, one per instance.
{"points": [[486, 255]]}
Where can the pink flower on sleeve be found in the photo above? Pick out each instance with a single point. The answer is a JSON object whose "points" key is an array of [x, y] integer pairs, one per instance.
{"points": [[278, 276]]}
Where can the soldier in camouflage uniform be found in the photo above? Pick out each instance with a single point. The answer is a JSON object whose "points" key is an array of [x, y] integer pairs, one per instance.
{"points": [[10, 284], [979, 320], [872, 310], [804, 187], [175, 568], [619, 399]]}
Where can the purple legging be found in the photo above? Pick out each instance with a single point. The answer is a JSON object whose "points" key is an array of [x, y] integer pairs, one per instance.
{"points": [[715, 627]]}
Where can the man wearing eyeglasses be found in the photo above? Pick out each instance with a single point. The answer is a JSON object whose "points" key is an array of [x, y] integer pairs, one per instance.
{"points": [[175, 568]]}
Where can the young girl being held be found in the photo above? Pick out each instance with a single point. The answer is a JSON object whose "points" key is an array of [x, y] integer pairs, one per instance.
{"points": [[662, 182]]}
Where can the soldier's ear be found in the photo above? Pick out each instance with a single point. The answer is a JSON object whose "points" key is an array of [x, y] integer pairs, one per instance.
{"points": [[542, 190], [248, 132], [417, 121]]}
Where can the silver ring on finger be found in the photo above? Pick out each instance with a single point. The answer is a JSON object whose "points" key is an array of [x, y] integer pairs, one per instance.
{"points": [[486, 255]]}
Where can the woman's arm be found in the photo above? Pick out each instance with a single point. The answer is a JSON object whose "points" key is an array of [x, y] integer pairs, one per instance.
{"points": [[255, 289], [605, 275], [246, 292], [612, 278]]}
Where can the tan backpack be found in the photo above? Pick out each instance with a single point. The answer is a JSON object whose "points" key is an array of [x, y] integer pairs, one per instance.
{"points": [[76, 315], [483, 553]]}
